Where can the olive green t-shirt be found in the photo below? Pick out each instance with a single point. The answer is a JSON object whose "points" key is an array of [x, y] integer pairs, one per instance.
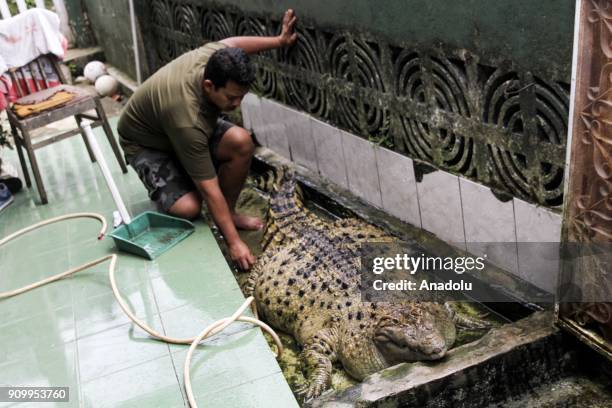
{"points": [[169, 112]]}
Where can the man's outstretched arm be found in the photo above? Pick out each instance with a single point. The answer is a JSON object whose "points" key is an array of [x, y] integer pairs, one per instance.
{"points": [[217, 205], [253, 45]]}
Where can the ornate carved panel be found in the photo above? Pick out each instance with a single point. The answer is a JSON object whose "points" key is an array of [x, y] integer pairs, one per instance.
{"points": [[489, 120], [588, 205]]}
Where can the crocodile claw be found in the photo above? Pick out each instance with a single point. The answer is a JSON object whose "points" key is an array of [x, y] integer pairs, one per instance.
{"points": [[310, 390], [301, 390]]}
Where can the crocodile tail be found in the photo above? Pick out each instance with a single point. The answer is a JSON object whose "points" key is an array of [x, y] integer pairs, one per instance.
{"points": [[285, 204], [275, 181], [265, 182]]}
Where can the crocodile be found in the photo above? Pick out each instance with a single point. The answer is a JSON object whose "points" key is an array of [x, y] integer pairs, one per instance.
{"points": [[306, 283]]}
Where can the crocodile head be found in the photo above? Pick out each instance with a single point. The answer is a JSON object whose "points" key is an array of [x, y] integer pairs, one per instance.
{"points": [[421, 332]]}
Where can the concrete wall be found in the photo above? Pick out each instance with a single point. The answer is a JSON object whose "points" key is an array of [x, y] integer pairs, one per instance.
{"points": [[452, 116], [82, 34], [479, 89], [107, 23], [457, 210], [534, 34], [110, 22]]}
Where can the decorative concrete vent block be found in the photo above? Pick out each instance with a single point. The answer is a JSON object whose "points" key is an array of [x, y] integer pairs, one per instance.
{"points": [[489, 225], [398, 186], [538, 232], [440, 205], [330, 157], [361, 168]]}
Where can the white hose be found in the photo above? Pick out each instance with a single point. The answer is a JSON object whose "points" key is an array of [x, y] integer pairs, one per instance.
{"points": [[211, 330], [5, 295]]}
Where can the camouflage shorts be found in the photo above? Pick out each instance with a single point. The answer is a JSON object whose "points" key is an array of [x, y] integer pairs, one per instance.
{"points": [[163, 175]]}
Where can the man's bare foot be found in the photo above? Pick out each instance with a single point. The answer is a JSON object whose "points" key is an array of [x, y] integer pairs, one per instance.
{"points": [[246, 222]]}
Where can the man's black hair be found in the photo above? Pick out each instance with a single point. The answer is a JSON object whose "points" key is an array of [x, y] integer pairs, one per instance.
{"points": [[229, 64]]}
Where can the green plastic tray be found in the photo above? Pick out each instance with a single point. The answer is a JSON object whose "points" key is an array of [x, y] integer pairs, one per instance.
{"points": [[151, 233]]}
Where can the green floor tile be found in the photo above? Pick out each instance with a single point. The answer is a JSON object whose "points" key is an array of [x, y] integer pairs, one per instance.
{"points": [[34, 265], [188, 321], [221, 369], [85, 230], [41, 332], [152, 384], [270, 391], [129, 271], [137, 191], [37, 241], [199, 253], [100, 313], [50, 367], [117, 349], [73, 332], [68, 404], [141, 206], [195, 288], [19, 271]]}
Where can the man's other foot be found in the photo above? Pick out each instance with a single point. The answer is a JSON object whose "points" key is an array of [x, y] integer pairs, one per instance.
{"points": [[246, 222]]}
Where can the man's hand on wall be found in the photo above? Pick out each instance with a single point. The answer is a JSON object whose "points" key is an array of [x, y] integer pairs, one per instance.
{"points": [[288, 35]]}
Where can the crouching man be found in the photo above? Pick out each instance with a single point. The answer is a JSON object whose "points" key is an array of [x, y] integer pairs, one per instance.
{"points": [[182, 150]]}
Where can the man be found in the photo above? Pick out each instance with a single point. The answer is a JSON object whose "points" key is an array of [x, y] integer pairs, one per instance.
{"points": [[183, 152]]}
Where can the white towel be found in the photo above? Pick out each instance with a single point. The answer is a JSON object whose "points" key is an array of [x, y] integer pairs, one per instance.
{"points": [[28, 35]]}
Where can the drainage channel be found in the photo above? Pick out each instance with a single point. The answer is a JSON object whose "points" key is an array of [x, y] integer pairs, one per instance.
{"points": [[478, 362]]}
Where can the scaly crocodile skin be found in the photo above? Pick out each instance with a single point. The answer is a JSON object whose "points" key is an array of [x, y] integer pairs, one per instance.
{"points": [[306, 283]]}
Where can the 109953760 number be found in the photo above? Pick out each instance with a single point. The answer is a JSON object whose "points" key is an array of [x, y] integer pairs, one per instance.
{"points": [[34, 394]]}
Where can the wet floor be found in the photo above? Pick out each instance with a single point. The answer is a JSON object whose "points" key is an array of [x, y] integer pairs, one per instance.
{"points": [[72, 333]]}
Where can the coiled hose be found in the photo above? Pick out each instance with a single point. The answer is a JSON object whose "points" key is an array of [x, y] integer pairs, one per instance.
{"points": [[210, 330]]}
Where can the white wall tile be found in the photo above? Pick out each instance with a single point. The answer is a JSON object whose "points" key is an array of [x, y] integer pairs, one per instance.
{"points": [[398, 186], [536, 224], [255, 118], [299, 133], [361, 168], [273, 129], [245, 107], [440, 205], [276, 138], [538, 231], [489, 225], [275, 113], [330, 157]]}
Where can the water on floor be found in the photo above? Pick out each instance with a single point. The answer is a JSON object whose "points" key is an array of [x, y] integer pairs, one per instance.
{"points": [[73, 333]]}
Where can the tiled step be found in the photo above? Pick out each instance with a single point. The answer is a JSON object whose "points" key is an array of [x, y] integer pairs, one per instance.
{"points": [[127, 84], [81, 56]]}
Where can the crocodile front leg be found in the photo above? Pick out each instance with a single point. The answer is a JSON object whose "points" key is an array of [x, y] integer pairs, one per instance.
{"points": [[256, 271], [464, 321], [318, 356]]}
